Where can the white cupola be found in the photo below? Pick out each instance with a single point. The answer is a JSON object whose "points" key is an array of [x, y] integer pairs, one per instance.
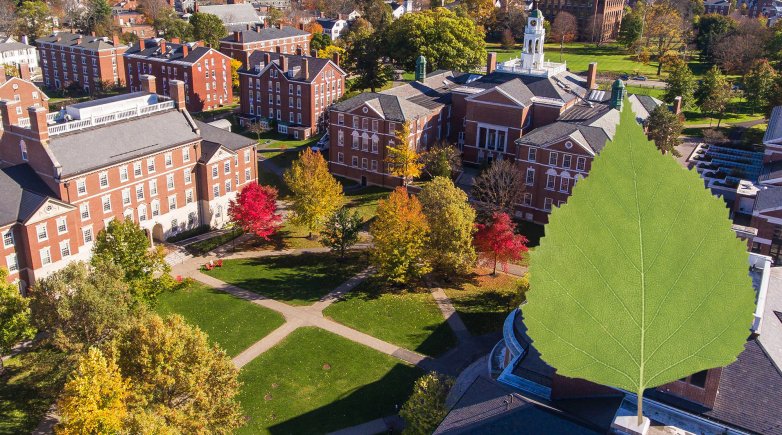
{"points": [[534, 37]]}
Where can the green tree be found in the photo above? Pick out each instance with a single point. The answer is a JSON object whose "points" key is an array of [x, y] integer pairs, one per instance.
{"points": [[680, 83], [711, 28], [632, 26], [316, 193], [376, 12], [451, 221], [653, 308], [171, 26], [15, 322], [664, 128], [446, 40], [98, 18], [320, 41], [95, 398], [759, 84], [341, 231], [124, 244], [441, 160], [274, 17], [207, 28], [400, 238], [33, 19], [425, 408], [364, 58], [81, 307], [714, 93], [178, 375]]}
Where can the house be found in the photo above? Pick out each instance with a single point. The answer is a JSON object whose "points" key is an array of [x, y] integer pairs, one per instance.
{"points": [[15, 54], [399, 8], [285, 40], [25, 92], [87, 61], [234, 15], [289, 91], [520, 392], [333, 27], [65, 175], [205, 71], [133, 22], [721, 7]]}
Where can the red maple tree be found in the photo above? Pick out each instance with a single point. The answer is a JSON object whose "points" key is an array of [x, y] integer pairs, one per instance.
{"points": [[497, 241], [254, 210]]}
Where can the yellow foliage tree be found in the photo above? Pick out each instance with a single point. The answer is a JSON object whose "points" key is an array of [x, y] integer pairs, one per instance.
{"points": [[400, 235], [316, 193], [95, 398], [403, 160], [235, 65], [328, 52]]}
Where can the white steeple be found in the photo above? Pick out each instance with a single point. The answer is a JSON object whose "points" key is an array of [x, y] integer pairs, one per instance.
{"points": [[534, 36]]}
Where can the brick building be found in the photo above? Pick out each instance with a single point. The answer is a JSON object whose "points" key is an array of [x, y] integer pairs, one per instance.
{"points": [[597, 20], [293, 91], [24, 92], [68, 58], [205, 71], [286, 40], [137, 156]]}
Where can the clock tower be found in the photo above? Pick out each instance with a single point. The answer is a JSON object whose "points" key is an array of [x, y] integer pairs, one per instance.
{"points": [[534, 35]]}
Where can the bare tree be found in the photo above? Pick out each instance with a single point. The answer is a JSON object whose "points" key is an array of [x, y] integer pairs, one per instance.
{"points": [[7, 17], [152, 9], [499, 188], [564, 29]]}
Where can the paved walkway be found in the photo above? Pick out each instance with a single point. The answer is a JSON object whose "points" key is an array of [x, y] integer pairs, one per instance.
{"points": [[392, 423], [450, 315]]}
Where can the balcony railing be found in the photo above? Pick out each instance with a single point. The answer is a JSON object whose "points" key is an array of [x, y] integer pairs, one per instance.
{"points": [[108, 118]]}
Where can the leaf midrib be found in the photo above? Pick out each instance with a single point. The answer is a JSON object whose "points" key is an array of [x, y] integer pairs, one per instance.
{"points": [[642, 271]]}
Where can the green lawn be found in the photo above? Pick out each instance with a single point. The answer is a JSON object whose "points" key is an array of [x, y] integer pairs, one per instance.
{"points": [[317, 382], [642, 90], [365, 200], [204, 246], [231, 322], [273, 139], [30, 384], [483, 302], [295, 279], [409, 319]]}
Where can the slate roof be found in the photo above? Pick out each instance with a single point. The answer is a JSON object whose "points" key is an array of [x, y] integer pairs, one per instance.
{"points": [[67, 39], [219, 136], [564, 86], [314, 64], [22, 191], [267, 34], [173, 51], [771, 171], [11, 46], [238, 13], [774, 129], [768, 198], [594, 137], [93, 148], [327, 23]]}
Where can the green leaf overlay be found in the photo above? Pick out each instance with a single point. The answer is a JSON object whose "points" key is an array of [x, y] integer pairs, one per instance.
{"points": [[639, 280]]}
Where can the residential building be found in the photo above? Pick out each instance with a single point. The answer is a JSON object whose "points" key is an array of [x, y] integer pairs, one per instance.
{"points": [[721, 7], [18, 54], [68, 58], [401, 7], [286, 40], [333, 27], [133, 22], [24, 92], [235, 15], [205, 71], [137, 156], [294, 92], [597, 21], [521, 393]]}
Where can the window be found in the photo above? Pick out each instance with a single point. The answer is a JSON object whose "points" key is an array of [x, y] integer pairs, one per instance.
{"points": [[172, 202], [169, 160], [186, 154], [216, 190], [581, 163], [106, 203], [214, 171], [46, 256], [12, 263], [65, 249], [125, 196], [550, 181], [491, 139], [62, 225], [81, 187], [564, 184], [374, 144], [530, 179], [552, 158], [340, 157], [86, 234], [532, 154], [123, 174], [341, 119], [23, 147], [152, 187], [374, 125], [170, 181], [227, 186], [247, 175], [527, 199], [699, 379], [547, 204], [355, 161], [566, 161], [84, 209], [188, 176], [188, 196], [8, 238], [364, 163], [41, 231], [247, 156], [155, 208], [151, 165], [140, 192], [137, 169], [142, 213], [227, 167]]}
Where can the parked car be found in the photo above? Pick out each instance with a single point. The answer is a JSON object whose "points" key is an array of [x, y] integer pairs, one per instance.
{"points": [[640, 78], [624, 77]]}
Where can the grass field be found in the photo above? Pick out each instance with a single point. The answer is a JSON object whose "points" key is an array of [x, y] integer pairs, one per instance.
{"points": [[295, 279], [408, 319], [28, 387], [365, 200], [318, 382], [231, 322], [483, 301]]}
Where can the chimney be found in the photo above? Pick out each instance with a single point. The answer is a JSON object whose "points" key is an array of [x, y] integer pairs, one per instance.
{"points": [[258, 27], [592, 76], [301, 26], [298, 51], [142, 44], [335, 58], [24, 71], [284, 63], [78, 40], [313, 53], [148, 83], [245, 59], [267, 58], [677, 105], [162, 46], [177, 91], [25, 40], [92, 34], [176, 41], [491, 62], [8, 109], [115, 40], [237, 36], [305, 68], [38, 124], [185, 50]]}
